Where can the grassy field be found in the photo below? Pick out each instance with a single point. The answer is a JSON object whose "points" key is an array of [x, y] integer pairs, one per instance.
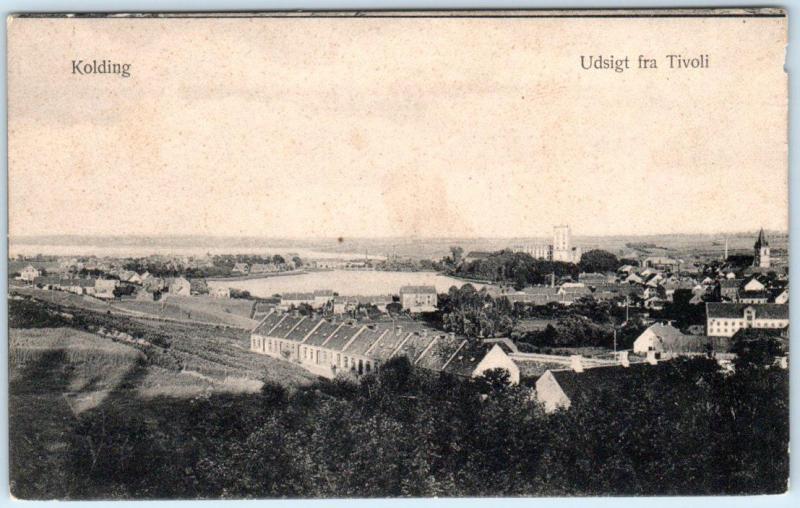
{"points": [[198, 308], [56, 374]]}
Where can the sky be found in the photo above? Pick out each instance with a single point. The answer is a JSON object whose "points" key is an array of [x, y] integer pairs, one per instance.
{"points": [[395, 127]]}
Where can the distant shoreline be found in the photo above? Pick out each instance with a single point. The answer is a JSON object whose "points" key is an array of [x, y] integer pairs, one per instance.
{"points": [[257, 276]]}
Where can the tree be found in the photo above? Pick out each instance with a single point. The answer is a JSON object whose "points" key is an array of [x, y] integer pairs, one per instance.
{"points": [[494, 381], [756, 352], [297, 261], [457, 254], [598, 260]]}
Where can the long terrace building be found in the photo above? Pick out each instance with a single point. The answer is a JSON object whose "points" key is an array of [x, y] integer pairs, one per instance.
{"points": [[326, 347]]}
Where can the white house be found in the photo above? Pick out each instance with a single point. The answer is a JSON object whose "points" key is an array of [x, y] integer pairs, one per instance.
{"points": [[753, 285], [725, 319], [180, 286], [29, 273], [321, 298], [655, 338], [418, 298], [104, 288], [296, 299]]}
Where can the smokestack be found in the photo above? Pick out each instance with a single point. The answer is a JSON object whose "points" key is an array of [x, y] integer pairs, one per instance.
{"points": [[623, 359], [651, 358], [553, 280], [576, 363]]}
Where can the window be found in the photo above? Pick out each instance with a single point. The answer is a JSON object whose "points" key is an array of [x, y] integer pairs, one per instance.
{"points": [[338, 358], [345, 362]]}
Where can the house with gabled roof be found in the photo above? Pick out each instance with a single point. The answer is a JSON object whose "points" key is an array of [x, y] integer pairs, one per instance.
{"points": [[559, 389], [29, 273]]}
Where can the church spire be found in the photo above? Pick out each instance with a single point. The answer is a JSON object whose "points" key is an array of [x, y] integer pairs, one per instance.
{"points": [[762, 240]]}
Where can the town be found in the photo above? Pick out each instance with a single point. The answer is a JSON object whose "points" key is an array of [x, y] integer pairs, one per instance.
{"points": [[536, 312]]}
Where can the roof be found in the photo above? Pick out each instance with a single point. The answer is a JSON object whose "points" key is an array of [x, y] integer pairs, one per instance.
{"points": [[736, 310], [323, 292], [285, 326], [384, 348], [467, 359], [667, 333], [342, 336], [765, 295], [268, 323], [417, 343], [440, 351], [596, 379], [297, 296], [321, 333], [364, 340], [302, 329], [417, 290], [730, 283]]}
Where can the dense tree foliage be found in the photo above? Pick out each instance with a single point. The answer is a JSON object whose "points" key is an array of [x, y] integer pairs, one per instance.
{"points": [[466, 311], [680, 428], [517, 268], [599, 261]]}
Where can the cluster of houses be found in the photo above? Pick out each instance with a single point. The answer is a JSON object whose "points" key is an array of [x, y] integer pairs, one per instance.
{"points": [[120, 283], [260, 268], [331, 347], [414, 299], [654, 284]]}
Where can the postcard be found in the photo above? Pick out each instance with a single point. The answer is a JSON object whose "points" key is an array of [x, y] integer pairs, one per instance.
{"points": [[380, 254]]}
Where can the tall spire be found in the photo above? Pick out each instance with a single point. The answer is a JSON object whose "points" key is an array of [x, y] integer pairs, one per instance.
{"points": [[762, 240]]}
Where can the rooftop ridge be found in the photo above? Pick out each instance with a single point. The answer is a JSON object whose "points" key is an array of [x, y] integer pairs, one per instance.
{"points": [[331, 335], [277, 324], [359, 332], [372, 346], [295, 326], [312, 330], [401, 344], [268, 314], [463, 342], [427, 348]]}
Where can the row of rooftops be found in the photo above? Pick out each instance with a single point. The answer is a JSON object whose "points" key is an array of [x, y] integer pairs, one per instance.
{"points": [[328, 293], [426, 348], [736, 310]]}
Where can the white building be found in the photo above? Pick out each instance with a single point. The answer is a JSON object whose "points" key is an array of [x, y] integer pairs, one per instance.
{"points": [[418, 298], [725, 319], [327, 348], [29, 273]]}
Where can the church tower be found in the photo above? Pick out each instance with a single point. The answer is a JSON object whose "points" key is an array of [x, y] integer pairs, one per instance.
{"points": [[761, 251]]}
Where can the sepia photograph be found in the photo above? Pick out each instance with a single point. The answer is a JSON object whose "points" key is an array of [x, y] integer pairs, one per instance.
{"points": [[398, 254]]}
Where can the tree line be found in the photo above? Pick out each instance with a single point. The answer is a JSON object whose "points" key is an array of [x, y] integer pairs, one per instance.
{"points": [[681, 428]]}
